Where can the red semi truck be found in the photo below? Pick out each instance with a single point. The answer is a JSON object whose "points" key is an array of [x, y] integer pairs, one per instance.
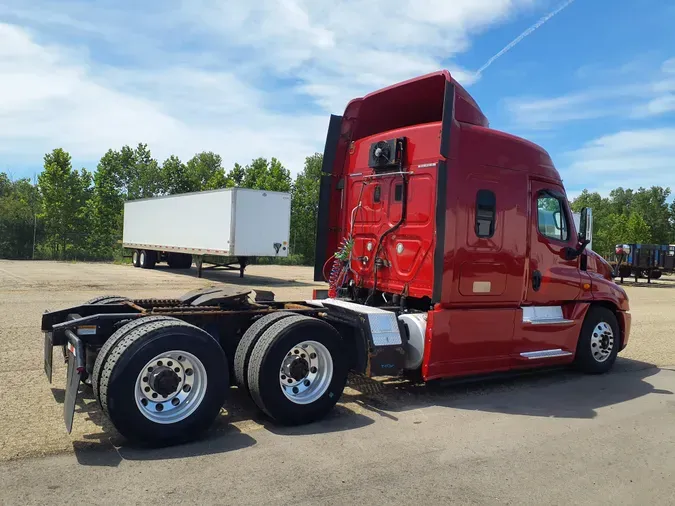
{"points": [[450, 250]]}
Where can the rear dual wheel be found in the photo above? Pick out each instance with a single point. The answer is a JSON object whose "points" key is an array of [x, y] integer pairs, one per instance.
{"points": [[161, 380], [296, 370]]}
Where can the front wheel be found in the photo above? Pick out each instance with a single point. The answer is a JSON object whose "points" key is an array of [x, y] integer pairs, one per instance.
{"points": [[599, 341], [163, 382], [297, 370]]}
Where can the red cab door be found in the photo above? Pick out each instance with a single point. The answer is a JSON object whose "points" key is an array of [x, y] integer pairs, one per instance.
{"points": [[545, 329]]}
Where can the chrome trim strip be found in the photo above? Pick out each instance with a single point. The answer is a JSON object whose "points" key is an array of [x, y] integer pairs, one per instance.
{"points": [[549, 321], [530, 355]]}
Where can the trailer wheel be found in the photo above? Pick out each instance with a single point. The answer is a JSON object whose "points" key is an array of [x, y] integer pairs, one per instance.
{"points": [[164, 382], [656, 274], [248, 342], [599, 341], [298, 370], [147, 259], [134, 258]]}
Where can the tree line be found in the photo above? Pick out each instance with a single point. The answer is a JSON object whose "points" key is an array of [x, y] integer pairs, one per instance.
{"points": [[627, 216], [78, 214]]}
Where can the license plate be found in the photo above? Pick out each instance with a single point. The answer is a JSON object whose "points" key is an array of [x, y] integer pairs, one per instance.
{"points": [[49, 355]]}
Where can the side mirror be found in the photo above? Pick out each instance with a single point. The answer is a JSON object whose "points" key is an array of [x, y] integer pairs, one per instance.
{"points": [[583, 225]]}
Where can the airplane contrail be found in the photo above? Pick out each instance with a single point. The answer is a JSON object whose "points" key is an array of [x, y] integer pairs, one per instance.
{"points": [[520, 37]]}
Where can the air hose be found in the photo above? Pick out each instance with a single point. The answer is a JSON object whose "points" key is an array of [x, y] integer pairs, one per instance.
{"points": [[340, 264]]}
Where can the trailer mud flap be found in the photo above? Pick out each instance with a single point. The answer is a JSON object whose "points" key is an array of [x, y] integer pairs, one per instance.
{"points": [[76, 369], [72, 388], [49, 355]]}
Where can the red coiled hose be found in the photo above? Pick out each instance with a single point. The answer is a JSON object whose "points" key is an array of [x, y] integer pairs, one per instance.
{"points": [[334, 278]]}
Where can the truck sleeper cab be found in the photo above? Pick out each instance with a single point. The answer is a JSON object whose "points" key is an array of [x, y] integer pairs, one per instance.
{"points": [[449, 249], [469, 224]]}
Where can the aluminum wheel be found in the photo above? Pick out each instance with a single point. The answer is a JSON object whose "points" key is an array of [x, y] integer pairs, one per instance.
{"points": [[306, 372], [170, 387], [602, 342]]}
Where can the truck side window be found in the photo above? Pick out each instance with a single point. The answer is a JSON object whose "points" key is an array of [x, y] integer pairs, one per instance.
{"points": [[551, 217], [486, 204]]}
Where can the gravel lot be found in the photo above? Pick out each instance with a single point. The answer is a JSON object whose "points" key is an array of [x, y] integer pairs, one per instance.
{"points": [[31, 414]]}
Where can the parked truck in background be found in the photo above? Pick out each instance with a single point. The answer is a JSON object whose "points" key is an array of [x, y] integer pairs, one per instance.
{"points": [[224, 227], [450, 250]]}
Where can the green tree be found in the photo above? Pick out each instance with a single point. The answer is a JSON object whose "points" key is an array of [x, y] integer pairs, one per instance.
{"points": [[19, 204], [305, 208], [140, 173], [177, 178], [235, 177], [64, 194], [263, 175], [106, 205], [5, 184], [637, 229], [206, 169], [652, 206]]}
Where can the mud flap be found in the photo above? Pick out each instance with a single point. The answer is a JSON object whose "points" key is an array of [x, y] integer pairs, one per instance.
{"points": [[49, 355], [72, 389]]}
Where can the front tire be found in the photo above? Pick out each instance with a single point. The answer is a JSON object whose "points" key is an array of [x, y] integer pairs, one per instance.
{"points": [[163, 382], [599, 341], [298, 370]]}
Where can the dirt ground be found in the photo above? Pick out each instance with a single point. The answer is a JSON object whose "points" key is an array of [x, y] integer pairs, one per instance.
{"points": [[31, 415]]}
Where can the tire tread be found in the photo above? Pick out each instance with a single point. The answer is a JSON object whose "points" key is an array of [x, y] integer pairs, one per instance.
{"points": [[255, 362], [245, 347], [103, 353], [122, 345]]}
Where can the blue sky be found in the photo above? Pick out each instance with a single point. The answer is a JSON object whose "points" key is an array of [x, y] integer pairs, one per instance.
{"points": [[595, 85]]}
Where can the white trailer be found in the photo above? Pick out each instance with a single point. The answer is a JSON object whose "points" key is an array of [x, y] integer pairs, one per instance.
{"points": [[221, 227]]}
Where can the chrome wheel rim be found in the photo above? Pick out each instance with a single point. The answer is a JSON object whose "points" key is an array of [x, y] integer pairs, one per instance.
{"points": [[306, 372], [170, 387], [134, 258], [602, 342], [142, 258]]}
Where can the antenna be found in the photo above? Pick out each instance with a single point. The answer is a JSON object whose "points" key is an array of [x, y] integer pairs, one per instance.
{"points": [[520, 37]]}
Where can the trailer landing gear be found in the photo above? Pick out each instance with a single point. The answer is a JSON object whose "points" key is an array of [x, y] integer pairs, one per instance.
{"points": [[242, 263]]}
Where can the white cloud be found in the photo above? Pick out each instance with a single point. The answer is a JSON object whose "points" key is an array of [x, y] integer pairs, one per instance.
{"points": [[239, 78], [644, 97], [630, 158], [48, 100]]}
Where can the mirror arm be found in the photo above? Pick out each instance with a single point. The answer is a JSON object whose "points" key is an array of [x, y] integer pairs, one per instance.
{"points": [[572, 253]]}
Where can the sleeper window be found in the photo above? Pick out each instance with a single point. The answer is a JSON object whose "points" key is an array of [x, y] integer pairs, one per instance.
{"points": [[486, 204], [551, 217]]}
